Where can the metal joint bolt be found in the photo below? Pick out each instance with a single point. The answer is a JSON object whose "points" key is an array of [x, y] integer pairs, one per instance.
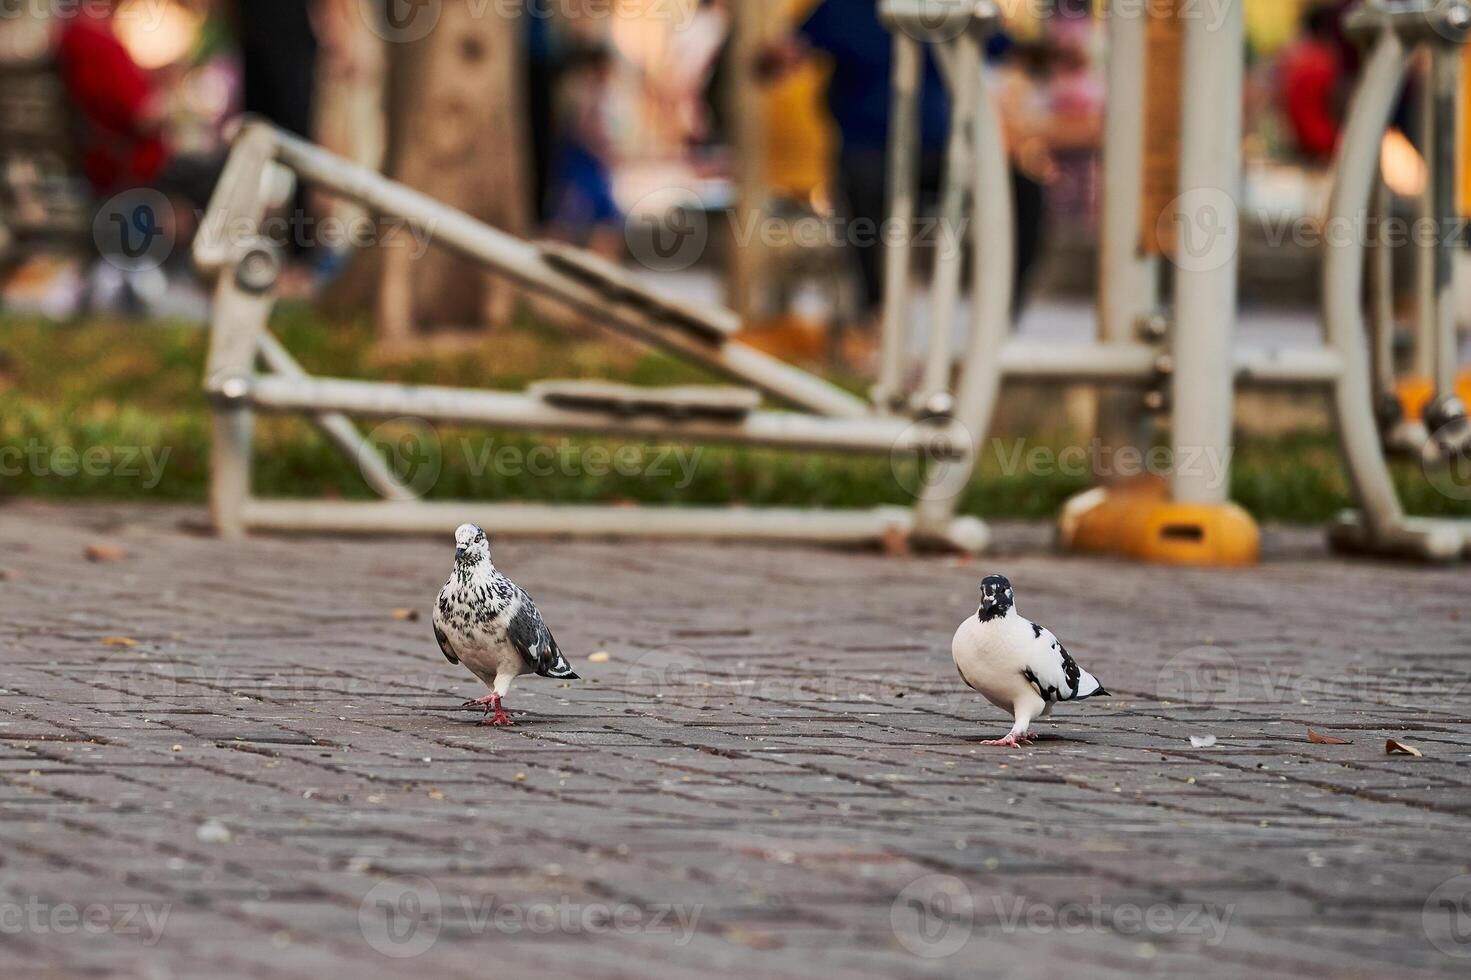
{"points": [[230, 392], [258, 269]]}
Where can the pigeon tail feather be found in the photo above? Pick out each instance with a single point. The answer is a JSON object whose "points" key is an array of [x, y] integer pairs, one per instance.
{"points": [[1088, 687]]}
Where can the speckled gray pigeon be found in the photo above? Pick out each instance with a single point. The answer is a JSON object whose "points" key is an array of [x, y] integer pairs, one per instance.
{"points": [[488, 623]]}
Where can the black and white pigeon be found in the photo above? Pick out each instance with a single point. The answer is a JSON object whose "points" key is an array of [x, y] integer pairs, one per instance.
{"points": [[1017, 665], [488, 623]]}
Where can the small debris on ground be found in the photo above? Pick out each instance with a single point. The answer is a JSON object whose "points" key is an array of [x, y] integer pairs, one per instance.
{"points": [[1392, 747], [104, 552], [213, 831]]}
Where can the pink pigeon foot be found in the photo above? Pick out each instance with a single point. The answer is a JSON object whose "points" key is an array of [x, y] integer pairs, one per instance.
{"points": [[479, 702], [500, 719], [1012, 741]]}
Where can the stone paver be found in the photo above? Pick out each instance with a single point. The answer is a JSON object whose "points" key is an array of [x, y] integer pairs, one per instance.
{"points": [[775, 772]]}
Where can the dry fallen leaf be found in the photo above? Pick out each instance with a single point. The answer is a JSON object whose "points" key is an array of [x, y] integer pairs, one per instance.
{"points": [[1391, 747], [104, 552], [118, 641], [1317, 739], [406, 615]]}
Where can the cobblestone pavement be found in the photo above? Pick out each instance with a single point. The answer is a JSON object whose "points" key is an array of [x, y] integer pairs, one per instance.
{"points": [[237, 759]]}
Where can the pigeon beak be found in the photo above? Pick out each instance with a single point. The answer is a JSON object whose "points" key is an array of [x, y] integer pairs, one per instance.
{"points": [[459, 553]]}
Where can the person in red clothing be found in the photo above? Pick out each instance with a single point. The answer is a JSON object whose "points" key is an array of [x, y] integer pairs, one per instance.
{"points": [[123, 144], [1312, 76]]}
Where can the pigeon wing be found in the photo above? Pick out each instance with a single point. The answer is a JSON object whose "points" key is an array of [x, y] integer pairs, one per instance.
{"points": [[1052, 671], [531, 638], [444, 647]]}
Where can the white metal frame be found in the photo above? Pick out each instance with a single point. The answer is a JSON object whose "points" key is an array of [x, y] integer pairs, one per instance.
{"points": [[951, 415], [245, 271], [1393, 30]]}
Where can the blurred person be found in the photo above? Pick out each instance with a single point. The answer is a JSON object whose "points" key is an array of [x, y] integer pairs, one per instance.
{"points": [[1051, 99], [278, 56], [281, 42], [120, 110], [582, 209], [690, 83], [122, 114], [850, 33], [860, 50], [1312, 76], [1075, 98], [543, 67]]}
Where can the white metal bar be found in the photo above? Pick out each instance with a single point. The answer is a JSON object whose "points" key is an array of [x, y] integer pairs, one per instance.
{"points": [[1122, 362], [1412, 537], [1343, 275], [1128, 278], [239, 321], [1133, 363], [992, 287], [959, 163], [238, 200], [1383, 321], [432, 517], [1426, 253], [903, 190], [1291, 367], [231, 433], [522, 261], [1443, 100], [716, 523], [500, 409], [1206, 283]]}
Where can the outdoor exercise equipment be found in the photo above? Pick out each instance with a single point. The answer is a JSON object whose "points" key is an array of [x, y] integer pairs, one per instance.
{"points": [[1177, 361], [1172, 173], [1355, 365], [246, 269], [1393, 31], [1195, 522]]}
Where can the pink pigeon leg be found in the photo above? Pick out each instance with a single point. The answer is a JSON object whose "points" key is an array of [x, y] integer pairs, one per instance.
{"points": [[500, 719]]}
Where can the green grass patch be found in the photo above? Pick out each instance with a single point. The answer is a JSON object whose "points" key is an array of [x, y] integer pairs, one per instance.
{"points": [[114, 410]]}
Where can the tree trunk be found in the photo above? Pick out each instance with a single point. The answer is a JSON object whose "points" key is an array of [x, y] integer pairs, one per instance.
{"points": [[456, 130]]}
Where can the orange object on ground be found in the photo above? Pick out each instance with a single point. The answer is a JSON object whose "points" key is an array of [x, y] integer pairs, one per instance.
{"points": [[1090, 522], [1415, 394], [1216, 535], [1138, 520]]}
